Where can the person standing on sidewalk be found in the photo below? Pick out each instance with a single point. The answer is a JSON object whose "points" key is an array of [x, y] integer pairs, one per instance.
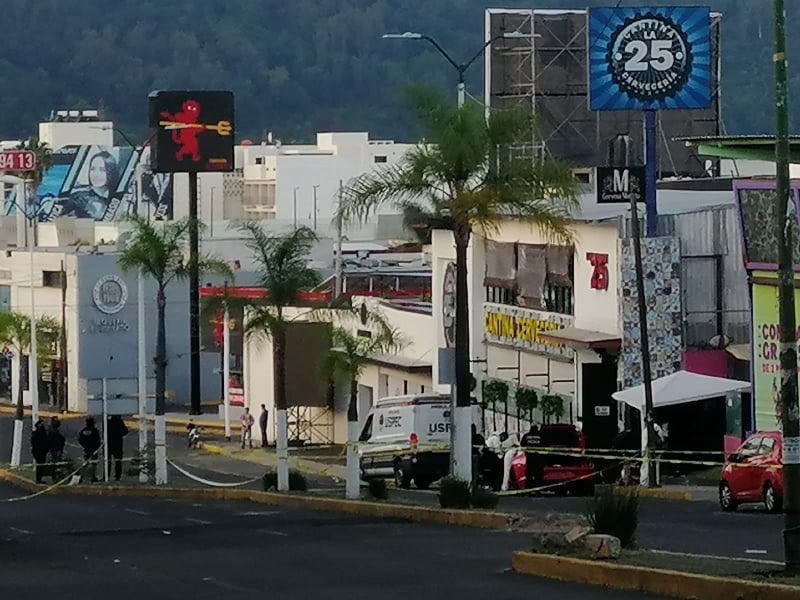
{"points": [[39, 449], [263, 419], [116, 431], [247, 422], [90, 440], [55, 444]]}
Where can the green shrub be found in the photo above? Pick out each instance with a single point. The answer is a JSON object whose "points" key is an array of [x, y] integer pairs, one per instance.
{"points": [[297, 481], [377, 489], [454, 493], [483, 498], [615, 511]]}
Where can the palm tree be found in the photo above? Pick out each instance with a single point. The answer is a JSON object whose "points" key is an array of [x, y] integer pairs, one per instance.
{"points": [[348, 356], [283, 272], [467, 173], [158, 250], [15, 334]]}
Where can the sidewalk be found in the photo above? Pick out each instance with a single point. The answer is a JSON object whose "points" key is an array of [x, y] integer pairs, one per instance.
{"points": [[326, 462]]}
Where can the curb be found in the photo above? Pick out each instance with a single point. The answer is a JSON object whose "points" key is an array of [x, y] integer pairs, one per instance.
{"points": [[465, 518], [211, 448], [660, 582], [46, 414]]}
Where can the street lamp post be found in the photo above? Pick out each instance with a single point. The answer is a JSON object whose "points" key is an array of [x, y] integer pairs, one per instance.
{"points": [[461, 420], [294, 207], [16, 444], [141, 350], [460, 68], [315, 206]]}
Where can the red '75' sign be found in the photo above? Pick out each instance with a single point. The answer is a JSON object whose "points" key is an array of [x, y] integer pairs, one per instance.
{"points": [[600, 272]]}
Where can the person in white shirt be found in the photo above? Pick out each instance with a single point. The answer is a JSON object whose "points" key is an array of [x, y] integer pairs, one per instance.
{"points": [[511, 446], [247, 422]]}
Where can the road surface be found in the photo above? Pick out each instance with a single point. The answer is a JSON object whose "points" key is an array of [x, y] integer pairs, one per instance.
{"points": [[100, 548], [696, 527]]}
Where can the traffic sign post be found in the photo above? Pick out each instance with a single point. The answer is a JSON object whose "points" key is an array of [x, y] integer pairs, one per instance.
{"points": [[17, 160], [647, 59]]}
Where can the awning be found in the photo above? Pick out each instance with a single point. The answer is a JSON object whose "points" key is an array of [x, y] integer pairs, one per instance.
{"points": [[739, 351], [402, 363], [680, 388], [583, 339]]}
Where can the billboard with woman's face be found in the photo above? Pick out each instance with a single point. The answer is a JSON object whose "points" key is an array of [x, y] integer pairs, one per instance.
{"points": [[99, 182]]}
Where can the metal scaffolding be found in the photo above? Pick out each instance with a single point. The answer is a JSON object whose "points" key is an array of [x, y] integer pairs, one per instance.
{"points": [[547, 74]]}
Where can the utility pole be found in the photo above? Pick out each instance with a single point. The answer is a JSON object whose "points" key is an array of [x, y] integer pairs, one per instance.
{"points": [[315, 207], [337, 260], [788, 327], [194, 298], [62, 351]]}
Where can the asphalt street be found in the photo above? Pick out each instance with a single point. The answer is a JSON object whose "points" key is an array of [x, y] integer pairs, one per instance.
{"points": [[697, 527], [99, 548]]}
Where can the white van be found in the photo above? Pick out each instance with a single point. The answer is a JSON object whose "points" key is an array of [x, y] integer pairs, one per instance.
{"points": [[408, 438]]}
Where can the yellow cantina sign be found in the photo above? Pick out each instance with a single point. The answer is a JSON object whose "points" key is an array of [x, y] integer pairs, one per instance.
{"points": [[523, 328]]}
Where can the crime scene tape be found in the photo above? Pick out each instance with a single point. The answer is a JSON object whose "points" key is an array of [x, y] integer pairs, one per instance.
{"points": [[592, 475], [208, 482], [53, 486]]}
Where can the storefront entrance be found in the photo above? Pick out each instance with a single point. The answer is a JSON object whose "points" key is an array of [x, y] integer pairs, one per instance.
{"points": [[598, 382]]}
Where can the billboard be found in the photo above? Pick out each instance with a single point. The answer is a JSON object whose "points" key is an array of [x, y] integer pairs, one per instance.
{"points": [[650, 58], [766, 354], [193, 131], [99, 182]]}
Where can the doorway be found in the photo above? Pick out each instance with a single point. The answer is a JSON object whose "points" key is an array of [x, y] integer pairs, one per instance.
{"points": [[364, 401], [598, 382]]}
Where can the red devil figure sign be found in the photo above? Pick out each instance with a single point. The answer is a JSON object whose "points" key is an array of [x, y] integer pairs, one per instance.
{"points": [[186, 129]]}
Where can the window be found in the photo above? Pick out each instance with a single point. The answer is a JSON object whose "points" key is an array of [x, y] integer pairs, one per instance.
{"points": [[380, 158], [366, 433], [558, 299], [750, 449], [767, 446], [405, 386], [501, 295], [52, 279]]}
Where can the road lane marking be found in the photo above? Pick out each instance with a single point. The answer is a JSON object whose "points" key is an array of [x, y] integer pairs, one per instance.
{"points": [[231, 586], [258, 513], [136, 511], [197, 521], [718, 557], [22, 531], [272, 532]]}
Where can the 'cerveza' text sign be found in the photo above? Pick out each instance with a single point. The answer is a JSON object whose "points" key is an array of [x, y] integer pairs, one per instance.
{"points": [[650, 58], [523, 328]]}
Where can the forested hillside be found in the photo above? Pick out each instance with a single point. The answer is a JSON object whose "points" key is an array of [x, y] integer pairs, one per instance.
{"points": [[298, 66]]}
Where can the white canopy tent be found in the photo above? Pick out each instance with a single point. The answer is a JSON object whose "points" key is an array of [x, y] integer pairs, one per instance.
{"points": [[681, 387]]}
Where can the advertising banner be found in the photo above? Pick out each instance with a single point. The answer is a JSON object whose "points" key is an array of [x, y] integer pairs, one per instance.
{"points": [[521, 328], [766, 356], [649, 58], [99, 182], [194, 131]]}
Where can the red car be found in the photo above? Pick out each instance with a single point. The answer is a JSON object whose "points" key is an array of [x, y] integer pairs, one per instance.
{"points": [[574, 471], [754, 473]]}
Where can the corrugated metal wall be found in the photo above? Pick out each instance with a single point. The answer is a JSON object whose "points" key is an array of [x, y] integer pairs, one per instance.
{"points": [[712, 259]]}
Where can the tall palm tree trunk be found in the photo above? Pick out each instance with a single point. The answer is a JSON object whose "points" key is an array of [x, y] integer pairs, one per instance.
{"points": [[282, 437], [161, 380], [353, 486], [19, 418], [462, 415]]}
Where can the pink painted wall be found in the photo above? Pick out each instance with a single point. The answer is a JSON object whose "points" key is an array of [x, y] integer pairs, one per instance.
{"points": [[706, 362]]}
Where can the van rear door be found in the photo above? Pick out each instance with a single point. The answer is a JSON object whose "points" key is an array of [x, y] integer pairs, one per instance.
{"points": [[433, 425]]}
